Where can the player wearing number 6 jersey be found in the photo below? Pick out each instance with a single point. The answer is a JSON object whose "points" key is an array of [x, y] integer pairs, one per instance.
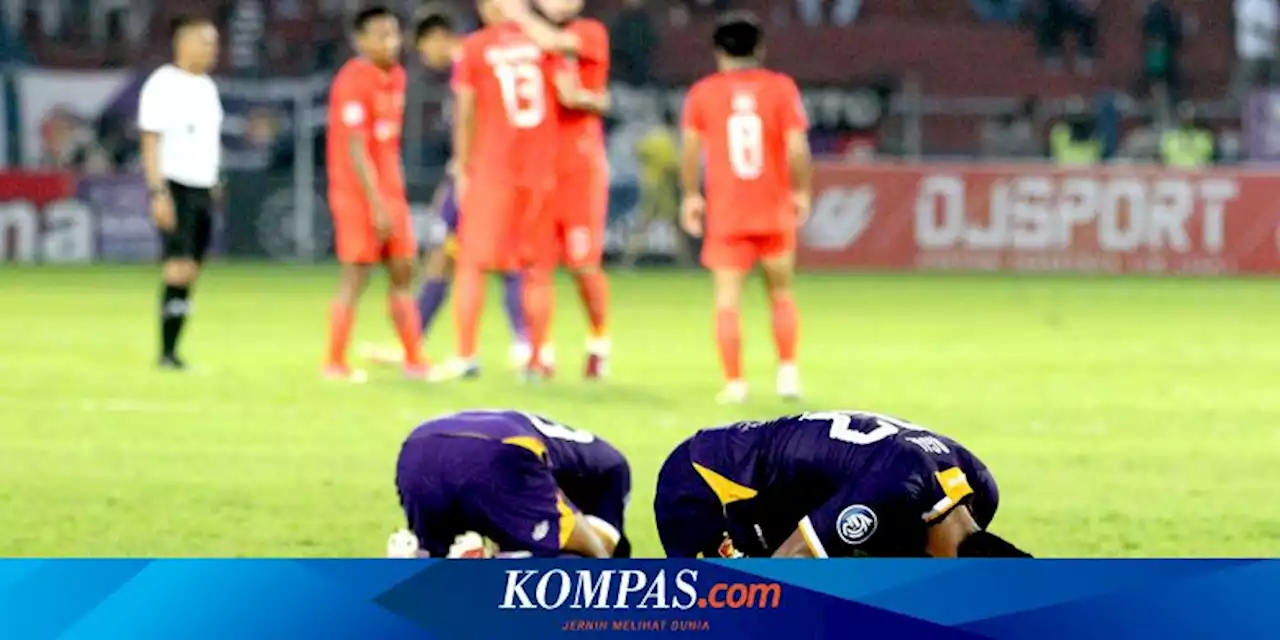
{"points": [[748, 125], [829, 484], [526, 483]]}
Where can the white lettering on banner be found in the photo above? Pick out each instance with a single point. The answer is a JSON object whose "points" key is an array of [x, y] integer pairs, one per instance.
{"points": [[1046, 213], [596, 589], [66, 234], [839, 217]]}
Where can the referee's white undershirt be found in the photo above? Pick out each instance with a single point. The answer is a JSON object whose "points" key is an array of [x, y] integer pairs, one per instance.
{"points": [[186, 112]]}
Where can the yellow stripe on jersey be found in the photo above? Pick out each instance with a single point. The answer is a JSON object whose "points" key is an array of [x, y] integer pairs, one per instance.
{"points": [[538, 447], [727, 490], [567, 520], [955, 487], [451, 246]]}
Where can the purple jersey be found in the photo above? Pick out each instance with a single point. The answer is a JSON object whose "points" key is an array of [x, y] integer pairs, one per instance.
{"points": [[447, 205], [853, 483], [515, 478]]}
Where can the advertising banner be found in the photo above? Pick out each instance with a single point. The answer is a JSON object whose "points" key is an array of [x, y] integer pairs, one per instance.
{"points": [[1042, 218], [734, 599], [121, 206]]}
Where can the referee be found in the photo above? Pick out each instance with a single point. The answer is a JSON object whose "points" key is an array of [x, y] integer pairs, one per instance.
{"points": [[180, 116]]}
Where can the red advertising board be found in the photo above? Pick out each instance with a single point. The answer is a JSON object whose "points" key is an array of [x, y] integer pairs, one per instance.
{"points": [[1044, 218]]}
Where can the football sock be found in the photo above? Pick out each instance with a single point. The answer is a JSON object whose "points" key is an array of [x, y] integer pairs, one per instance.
{"points": [[430, 300], [513, 303], [786, 326], [593, 289], [173, 315], [539, 297], [467, 304], [404, 315], [341, 318], [729, 341]]}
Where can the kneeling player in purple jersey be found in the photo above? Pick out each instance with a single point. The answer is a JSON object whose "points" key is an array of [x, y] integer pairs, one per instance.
{"points": [[828, 484], [526, 483]]}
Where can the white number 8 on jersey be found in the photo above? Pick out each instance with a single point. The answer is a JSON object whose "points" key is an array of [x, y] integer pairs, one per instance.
{"points": [[746, 145], [523, 93]]}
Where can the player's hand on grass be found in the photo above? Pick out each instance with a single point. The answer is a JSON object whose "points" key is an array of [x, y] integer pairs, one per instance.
{"points": [[803, 203], [162, 211], [692, 211]]}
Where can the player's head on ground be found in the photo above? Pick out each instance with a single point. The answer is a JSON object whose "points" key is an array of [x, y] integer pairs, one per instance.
{"points": [[435, 40], [738, 40], [376, 30], [195, 43], [558, 12], [490, 12]]}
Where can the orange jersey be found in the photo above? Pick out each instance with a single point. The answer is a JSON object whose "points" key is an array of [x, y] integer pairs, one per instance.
{"points": [[368, 101], [515, 103], [582, 132], [743, 118]]}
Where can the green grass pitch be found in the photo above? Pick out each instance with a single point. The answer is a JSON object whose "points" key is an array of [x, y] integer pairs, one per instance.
{"points": [[1122, 417]]}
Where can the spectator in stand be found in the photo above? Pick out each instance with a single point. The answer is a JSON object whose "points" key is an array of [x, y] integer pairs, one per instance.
{"points": [[1006, 11], [1189, 145], [1015, 133], [1075, 141], [633, 35], [1256, 27], [843, 12], [1055, 19], [1161, 42]]}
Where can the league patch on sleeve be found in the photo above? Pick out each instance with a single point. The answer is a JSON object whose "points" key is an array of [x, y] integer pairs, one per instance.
{"points": [[353, 114], [856, 524]]}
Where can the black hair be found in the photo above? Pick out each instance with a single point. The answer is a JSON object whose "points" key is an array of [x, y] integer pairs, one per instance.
{"points": [[432, 22], [182, 22], [738, 34], [985, 544], [369, 14]]}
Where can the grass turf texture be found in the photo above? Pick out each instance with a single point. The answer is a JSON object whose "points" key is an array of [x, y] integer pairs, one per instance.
{"points": [[1122, 417]]}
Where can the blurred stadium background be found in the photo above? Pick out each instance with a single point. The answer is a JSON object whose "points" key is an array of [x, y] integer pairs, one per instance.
{"points": [[1131, 411]]}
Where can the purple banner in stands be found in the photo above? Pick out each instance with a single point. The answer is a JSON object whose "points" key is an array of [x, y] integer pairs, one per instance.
{"points": [[1262, 127], [120, 205]]}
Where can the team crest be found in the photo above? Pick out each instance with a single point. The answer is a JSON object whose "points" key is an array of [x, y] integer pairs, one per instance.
{"points": [[856, 524]]}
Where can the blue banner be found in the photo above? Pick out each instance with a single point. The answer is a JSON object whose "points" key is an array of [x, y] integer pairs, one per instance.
{"points": [[404, 599]]}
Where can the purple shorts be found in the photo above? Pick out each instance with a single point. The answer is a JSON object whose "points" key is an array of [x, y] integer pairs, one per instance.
{"points": [[450, 485]]}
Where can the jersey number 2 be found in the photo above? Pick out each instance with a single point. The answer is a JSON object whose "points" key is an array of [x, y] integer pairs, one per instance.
{"points": [[842, 426], [746, 145], [523, 93], [558, 431]]}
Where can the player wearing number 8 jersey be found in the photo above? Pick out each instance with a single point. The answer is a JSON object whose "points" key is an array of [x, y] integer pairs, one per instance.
{"points": [[749, 127], [523, 481], [503, 127], [829, 484]]}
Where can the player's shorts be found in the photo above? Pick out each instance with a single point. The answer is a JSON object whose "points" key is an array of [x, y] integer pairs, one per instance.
{"points": [[741, 253], [691, 521], [449, 215], [193, 223], [450, 485], [580, 205], [503, 227], [356, 239]]}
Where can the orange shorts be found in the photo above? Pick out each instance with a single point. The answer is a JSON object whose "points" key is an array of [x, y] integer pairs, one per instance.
{"points": [[580, 205], [495, 224], [740, 253], [357, 241]]}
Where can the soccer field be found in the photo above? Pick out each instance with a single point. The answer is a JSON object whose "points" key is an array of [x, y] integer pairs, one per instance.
{"points": [[1121, 417]]}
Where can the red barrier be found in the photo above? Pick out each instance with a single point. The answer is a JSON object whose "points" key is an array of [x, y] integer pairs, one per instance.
{"points": [[1042, 218]]}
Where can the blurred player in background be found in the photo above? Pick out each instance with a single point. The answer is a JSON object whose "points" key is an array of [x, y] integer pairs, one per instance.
{"points": [[750, 124], [829, 484], [438, 45], [366, 188], [658, 155], [521, 481], [579, 206], [503, 128]]}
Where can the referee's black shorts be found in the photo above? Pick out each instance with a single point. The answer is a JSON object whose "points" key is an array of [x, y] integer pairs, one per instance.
{"points": [[193, 223]]}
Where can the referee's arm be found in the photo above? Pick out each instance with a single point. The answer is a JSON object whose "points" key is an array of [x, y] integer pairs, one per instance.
{"points": [[151, 113]]}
